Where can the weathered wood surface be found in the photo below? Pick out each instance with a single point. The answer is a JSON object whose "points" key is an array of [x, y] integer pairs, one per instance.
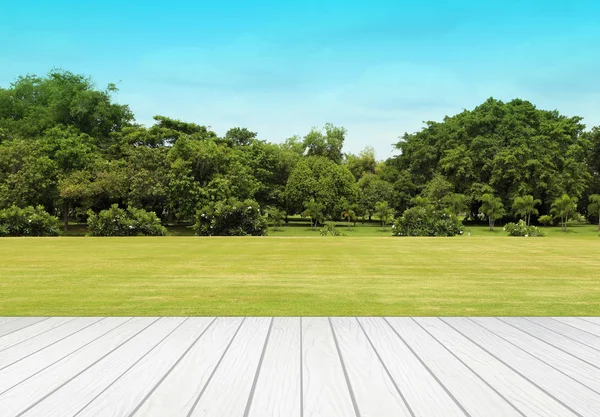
{"points": [[299, 367]]}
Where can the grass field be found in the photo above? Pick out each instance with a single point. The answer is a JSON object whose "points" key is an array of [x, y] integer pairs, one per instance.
{"points": [[481, 275]]}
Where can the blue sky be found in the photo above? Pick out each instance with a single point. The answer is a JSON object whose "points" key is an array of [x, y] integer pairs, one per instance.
{"points": [[378, 68]]}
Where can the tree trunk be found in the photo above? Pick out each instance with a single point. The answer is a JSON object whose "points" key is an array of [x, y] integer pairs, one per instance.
{"points": [[66, 216], [528, 218], [491, 224]]}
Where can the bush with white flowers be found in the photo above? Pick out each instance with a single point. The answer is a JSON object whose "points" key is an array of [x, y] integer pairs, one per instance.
{"points": [[231, 218], [28, 221], [425, 220], [118, 222], [521, 229]]}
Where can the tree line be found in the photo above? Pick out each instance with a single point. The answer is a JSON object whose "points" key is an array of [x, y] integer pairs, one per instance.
{"points": [[69, 147]]}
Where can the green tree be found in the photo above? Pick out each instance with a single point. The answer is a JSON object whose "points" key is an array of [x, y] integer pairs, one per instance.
{"points": [[513, 146], [437, 190], [328, 145], [321, 179], [240, 136], [363, 163], [563, 207], [28, 177], [32, 105], [420, 201], [456, 203], [348, 211], [525, 207], [384, 213], [314, 211], [594, 207], [493, 208], [276, 216], [76, 189], [371, 189]]}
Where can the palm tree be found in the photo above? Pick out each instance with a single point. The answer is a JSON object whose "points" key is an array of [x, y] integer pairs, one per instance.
{"points": [[313, 210], [384, 213], [457, 203], [348, 211], [594, 207], [563, 207], [493, 208], [525, 206]]}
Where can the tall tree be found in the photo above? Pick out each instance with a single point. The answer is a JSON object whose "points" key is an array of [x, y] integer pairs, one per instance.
{"points": [[328, 145], [457, 203], [363, 163], [384, 212], [493, 208], [371, 189], [525, 206], [314, 210], [240, 136], [514, 147], [563, 207], [321, 179], [348, 211], [594, 207], [33, 104], [437, 190]]}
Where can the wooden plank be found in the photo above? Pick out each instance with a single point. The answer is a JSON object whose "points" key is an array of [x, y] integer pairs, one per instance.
{"points": [[4, 320], [43, 384], [574, 333], [16, 353], [463, 383], [237, 372], [326, 393], [176, 394], [122, 397], [569, 365], [27, 333], [525, 396], [570, 392], [580, 324], [423, 393], [374, 391], [593, 320], [278, 389], [77, 393], [557, 340], [21, 323], [44, 360]]}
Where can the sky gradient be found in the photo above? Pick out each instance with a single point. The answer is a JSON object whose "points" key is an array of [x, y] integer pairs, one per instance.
{"points": [[378, 68]]}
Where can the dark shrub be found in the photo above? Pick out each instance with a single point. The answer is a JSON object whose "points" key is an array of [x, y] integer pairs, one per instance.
{"points": [[28, 221], [231, 218], [424, 220], [146, 222], [118, 222]]}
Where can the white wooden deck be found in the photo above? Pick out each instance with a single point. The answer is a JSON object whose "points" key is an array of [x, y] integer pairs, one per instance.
{"points": [[299, 367]]}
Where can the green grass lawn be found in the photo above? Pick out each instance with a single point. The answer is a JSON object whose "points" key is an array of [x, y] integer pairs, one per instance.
{"points": [[484, 274]]}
